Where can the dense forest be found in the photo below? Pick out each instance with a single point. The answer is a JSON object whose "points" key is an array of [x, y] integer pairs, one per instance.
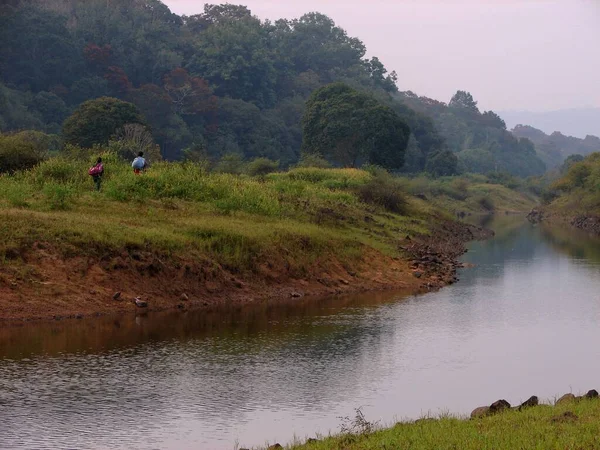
{"points": [[223, 82], [555, 148]]}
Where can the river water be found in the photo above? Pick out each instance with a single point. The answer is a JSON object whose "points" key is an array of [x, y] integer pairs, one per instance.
{"points": [[524, 321]]}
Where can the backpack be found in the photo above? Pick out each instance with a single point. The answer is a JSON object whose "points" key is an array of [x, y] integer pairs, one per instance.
{"points": [[138, 163], [96, 170]]}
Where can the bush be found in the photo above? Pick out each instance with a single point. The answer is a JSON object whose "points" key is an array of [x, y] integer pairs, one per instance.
{"points": [[232, 163], [387, 193], [486, 203], [260, 167], [313, 160], [18, 153]]}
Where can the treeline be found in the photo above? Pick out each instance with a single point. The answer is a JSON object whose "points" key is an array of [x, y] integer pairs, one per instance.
{"points": [[223, 82], [479, 140], [557, 147]]}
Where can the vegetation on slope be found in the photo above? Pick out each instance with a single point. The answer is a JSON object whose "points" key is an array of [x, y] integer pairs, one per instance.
{"points": [[224, 82], [555, 148], [578, 190]]}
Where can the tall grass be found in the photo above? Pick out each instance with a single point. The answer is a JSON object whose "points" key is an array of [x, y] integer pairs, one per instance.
{"points": [[179, 208]]}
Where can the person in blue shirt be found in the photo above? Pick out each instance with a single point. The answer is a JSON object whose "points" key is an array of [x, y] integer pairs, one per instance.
{"points": [[139, 164]]}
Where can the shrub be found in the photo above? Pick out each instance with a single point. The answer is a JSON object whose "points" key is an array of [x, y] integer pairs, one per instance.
{"points": [[313, 160], [387, 193], [232, 163], [18, 153], [260, 167]]}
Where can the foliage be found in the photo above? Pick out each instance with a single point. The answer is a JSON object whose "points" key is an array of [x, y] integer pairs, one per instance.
{"points": [[384, 191], [18, 152], [96, 121], [300, 216], [350, 127], [442, 163], [235, 84], [556, 148], [232, 163], [313, 160], [479, 140], [260, 167]]}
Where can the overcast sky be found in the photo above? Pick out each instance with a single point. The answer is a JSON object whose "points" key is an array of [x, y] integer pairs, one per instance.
{"points": [[510, 54]]}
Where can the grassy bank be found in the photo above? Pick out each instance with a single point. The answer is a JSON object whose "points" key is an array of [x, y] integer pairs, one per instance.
{"points": [[180, 230], [475, 194], [574, 425], [577, 191]]}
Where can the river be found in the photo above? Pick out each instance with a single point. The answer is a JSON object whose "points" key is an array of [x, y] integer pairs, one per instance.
{"points": [[524, 321]]}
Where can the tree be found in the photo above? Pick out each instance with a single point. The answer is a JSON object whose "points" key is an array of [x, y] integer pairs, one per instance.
{"points": [[235, 58], [351, 127], [442, 163], [95, 121], [464, 101], [190, 95]]}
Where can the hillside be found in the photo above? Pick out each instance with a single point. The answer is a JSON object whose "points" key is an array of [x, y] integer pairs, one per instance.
{"points": [[555, 148], [223, 82], [578, 122], [574, 199], [480, 140]]}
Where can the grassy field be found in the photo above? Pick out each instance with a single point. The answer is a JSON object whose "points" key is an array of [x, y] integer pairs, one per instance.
{"points": [[178, 208], [567, 426], [474, 194]]}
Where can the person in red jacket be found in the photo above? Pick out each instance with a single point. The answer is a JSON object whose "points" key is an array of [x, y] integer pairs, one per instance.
{"points": [[97, 171]]}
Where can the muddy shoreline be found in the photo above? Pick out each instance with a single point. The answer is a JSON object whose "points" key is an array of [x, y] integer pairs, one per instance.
{"points": [[46, 287], [587, 223]]}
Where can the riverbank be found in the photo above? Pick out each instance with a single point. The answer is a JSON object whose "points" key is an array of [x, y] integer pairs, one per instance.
{"points": [[573, 199], [178, 237], [570, 423]]}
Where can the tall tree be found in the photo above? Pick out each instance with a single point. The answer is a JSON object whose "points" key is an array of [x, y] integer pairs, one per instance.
{"points": [[95, 121], [351, 127]]}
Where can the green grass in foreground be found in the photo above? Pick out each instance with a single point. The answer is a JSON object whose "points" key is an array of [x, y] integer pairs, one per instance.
{"points": [[182, 209], [543, 427]]}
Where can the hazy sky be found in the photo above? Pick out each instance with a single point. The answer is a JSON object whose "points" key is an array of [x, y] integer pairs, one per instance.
{"points": [[510, 54]]}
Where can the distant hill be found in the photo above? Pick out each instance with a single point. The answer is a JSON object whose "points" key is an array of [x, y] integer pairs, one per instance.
{"points": [[553, 149], [578, 122]]}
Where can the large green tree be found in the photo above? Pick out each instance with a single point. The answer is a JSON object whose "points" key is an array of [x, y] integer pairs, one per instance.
{"points": [[96, 121], [350, 127]]}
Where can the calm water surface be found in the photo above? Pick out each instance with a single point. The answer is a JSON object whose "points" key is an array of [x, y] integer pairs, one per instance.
{"points": [[524, 321]]}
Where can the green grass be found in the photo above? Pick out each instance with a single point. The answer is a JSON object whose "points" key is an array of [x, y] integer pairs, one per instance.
{"points": [[536, 428], [179, 209], [578, 190], [473, 194]]}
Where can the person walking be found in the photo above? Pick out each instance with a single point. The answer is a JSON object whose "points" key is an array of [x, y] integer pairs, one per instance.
{"points": [[139, 164], [97, 171]]}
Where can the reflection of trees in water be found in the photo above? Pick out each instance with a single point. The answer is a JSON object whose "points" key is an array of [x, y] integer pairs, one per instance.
{"points": [[214, 367], [515, 239], [572, 242]]}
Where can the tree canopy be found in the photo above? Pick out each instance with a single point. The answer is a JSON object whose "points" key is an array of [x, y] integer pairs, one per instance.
{"points": [[351, 127], [96, 121], [224, 81]]}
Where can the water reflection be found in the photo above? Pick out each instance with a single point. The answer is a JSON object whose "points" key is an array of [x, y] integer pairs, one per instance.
{"points": [[518, 324]]}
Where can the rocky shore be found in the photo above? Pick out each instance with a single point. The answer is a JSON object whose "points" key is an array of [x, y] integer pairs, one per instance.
{"points": [[588, 223], [502, 405], [434, 259]]}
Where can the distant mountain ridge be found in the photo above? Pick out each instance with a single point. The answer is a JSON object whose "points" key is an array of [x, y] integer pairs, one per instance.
{"points": [[577, 122], [553, 149]]}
